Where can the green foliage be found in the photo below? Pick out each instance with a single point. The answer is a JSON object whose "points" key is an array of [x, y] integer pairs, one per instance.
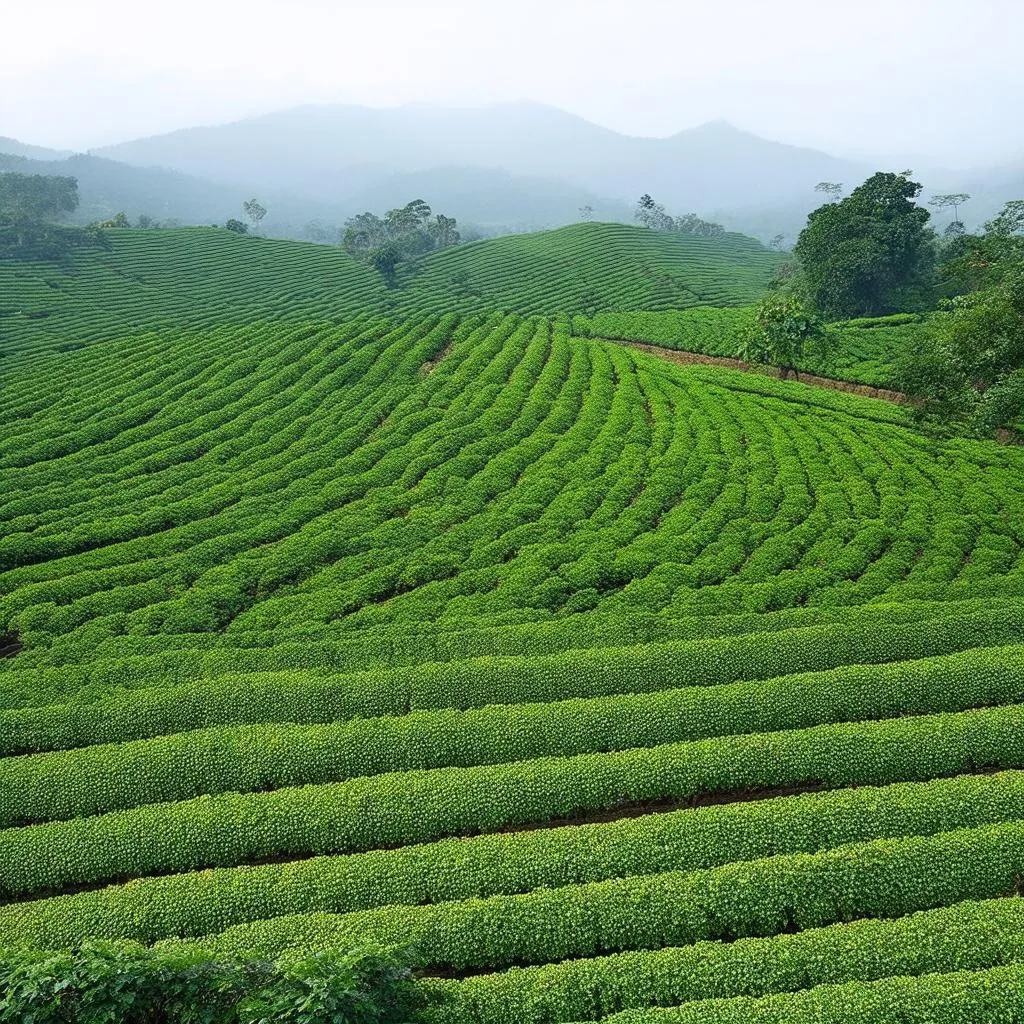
{"points": [[239, 227], [98, 982], [870, 253], [973, 935], [405, 233], [973, 370], [783, 334], [30, 206], [338, 616], [1010, 220], [979, 997]]}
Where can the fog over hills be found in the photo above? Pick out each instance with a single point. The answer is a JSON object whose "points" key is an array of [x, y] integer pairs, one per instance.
{"points": [[497, 168], [322, 149]]}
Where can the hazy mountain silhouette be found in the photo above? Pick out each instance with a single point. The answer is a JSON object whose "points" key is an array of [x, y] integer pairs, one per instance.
{"points": [[325, 152]]}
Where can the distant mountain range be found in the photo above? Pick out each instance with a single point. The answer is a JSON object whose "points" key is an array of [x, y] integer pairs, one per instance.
{"points": [[507, 166]]}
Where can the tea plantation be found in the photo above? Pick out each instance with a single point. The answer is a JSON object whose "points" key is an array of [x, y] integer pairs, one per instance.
{"points": [[429, 617], [203, 277]]}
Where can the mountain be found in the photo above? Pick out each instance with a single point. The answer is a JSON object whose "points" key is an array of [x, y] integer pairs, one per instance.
{"points": [[310, 202], [330, 151], [106, 187], [12, 147]]}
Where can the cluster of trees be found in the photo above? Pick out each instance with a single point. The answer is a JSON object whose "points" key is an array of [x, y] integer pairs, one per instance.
{"points": [[875, 252], [32, 207], [869, 254], [653, 215], [144, 222], [401, 234]]}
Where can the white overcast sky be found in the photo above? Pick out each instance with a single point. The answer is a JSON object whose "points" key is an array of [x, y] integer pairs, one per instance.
{"points": [[935, 78]]}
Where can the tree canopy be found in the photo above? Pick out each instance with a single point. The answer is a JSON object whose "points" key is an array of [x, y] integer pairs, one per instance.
{"points": [[871, 253], [654, 216], [30, 207], [401, 234], [782, 332]]}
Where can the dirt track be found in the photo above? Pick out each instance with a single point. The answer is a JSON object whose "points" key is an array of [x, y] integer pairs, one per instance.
{"points": [[684, 358]]}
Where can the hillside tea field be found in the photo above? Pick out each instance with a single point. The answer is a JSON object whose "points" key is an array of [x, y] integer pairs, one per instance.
{"points": [[198, 277], [609, 689]]}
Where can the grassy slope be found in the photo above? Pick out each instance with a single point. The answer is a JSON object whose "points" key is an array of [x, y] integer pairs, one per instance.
{"points": [[198, 276], [254, 568]]}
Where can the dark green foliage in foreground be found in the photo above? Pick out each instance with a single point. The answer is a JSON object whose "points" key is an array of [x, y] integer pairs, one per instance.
{"points": [[870, 254], [104, 982]]}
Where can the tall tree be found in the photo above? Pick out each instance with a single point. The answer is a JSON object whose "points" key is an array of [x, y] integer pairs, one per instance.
{"points": [[31, 203], [255, 211], [943, 201], [363, 233], [1010, 220], [833, 189], [870, 253], [652, 215], [443, 231], [970, 367], [586, 212]]}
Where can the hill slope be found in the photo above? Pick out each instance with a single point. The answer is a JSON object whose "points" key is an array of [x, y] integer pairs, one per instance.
{"points": [[392, 630], [483, 199], [195, 277]]}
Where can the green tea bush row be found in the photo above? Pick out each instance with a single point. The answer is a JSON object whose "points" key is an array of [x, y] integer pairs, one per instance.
{"points": [[168, 660], [884, 878], [409, 807], [529, 475], [93, 780], [291, 697], [202, 902], [994, 996], [966, 936]]}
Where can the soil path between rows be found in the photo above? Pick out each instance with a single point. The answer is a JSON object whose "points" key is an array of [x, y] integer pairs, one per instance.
{"points": [[683, 357]]}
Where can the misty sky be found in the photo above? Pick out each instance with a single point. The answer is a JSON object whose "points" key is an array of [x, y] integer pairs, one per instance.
{"points": [[931, 78]]}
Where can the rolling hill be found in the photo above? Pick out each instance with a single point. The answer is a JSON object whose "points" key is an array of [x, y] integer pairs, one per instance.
{"points": [[427, 616], [195, 277]]}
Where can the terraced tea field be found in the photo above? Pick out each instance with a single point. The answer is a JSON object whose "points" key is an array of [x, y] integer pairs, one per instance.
{"points": [[859, 351], [611, 689], [170, 279]]}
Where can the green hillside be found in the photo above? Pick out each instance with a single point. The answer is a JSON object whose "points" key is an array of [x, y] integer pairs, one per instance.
{"points": [[596, 266], [600, 683], [201, 276], [429, 615]]}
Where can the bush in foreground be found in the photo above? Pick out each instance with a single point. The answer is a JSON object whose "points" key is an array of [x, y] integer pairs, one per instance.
{"points": [[101, 982]]}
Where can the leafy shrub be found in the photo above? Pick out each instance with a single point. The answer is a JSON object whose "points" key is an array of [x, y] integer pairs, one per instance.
{"points": [[123, 982]]}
